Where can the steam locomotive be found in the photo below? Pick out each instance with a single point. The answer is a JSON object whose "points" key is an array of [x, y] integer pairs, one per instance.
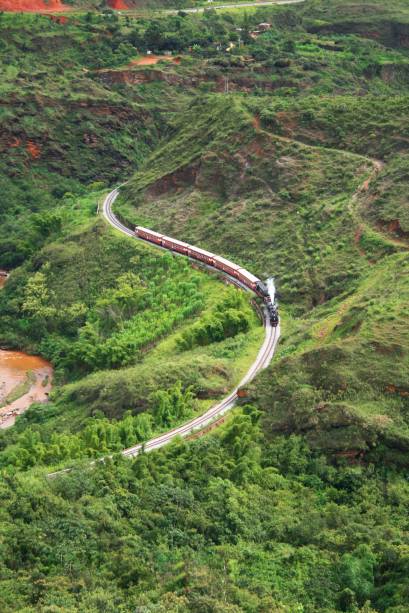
{"points": [[241, 274], [272, 308]]}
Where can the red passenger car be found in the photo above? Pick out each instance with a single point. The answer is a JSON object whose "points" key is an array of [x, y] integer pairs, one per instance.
{"points": [[230, 268], [226, 266], [248, 279], [201, 255], [149, 235], [175, 245]]}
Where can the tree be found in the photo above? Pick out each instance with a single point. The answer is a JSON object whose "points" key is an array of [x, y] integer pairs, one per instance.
{"points": [[171, 404], [357, 573], [119, 304], [37, 301], [154, 35]]}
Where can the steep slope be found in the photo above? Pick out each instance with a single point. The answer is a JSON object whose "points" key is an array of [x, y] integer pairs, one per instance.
{"points": [[309, 214], [267, 201], [343, 375], [61, 129], [387, 23]]}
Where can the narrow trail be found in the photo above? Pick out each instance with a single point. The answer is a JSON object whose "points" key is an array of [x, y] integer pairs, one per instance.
{"points": [[354, 209], [353, 204]]}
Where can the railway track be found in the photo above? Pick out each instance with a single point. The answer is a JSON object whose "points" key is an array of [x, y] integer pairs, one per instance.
{"points": [[262, 361], [199, 423]]}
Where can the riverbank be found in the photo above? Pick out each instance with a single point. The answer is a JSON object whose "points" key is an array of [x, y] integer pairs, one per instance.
{"points": [[24, 379], [25, 376], [3, 277]]}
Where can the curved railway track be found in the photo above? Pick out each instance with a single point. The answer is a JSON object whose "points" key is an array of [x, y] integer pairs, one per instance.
{"points": [[262, 361], [199, 423]]}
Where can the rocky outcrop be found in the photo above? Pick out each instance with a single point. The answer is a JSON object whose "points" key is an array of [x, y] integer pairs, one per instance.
{"points": [[137, 76]]}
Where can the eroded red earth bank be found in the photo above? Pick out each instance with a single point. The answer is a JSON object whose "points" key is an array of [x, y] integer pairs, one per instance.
{"points": [[118, 5], [41, 6], [32, 6], [15, 369], [149, 60]]}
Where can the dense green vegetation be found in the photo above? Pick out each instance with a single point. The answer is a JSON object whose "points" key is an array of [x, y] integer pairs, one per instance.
{"points": [[61, 130], [85, 321], [100, 303], [286, 150], [305, 180], [227, 523]]}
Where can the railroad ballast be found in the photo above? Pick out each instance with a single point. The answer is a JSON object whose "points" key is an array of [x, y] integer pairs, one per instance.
{"points": [[216, 261]]}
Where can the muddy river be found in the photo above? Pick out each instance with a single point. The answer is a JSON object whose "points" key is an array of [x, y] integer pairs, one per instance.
{"points": [[24, 379]]}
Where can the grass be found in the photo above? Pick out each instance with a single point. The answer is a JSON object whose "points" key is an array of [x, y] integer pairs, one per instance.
{"points": [[322, 240], [299, 502], [240, 196]]}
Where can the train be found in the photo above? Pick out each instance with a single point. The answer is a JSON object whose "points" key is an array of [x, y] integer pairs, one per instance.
{"points": [[215, 261]]}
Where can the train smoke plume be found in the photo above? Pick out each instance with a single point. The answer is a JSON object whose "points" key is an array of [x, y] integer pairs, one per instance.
{"points": [[271, 288]]}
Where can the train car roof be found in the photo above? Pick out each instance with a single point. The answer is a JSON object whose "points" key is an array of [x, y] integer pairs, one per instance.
{"points": [[175, 241], [202, 251], [149, 231], [218, 258], [249, 275]]}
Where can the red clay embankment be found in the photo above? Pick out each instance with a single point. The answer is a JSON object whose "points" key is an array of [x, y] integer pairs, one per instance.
{"points": [[43, 6], [118, 5], [32, 6]]}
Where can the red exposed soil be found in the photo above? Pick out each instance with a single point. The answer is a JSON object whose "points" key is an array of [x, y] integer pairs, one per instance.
{"points": [[394, 226], [149, 60], [118, 5], [16, 142], [40, 6], [173, 181], [365, 185], [256, 148], [3, 277], [32, 6], [358, 235], [399, 236], [33, 149], [353, 456], [289, 121], [129, 77], [59, 19], [14, 369], [357, 239], [256, 122], [392, 389]]}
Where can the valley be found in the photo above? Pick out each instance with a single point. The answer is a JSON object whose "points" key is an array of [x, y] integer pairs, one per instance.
{"points": [[276, 137]]}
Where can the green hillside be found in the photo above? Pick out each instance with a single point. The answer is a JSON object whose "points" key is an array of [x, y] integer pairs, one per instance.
{"points": [[307, 187], [285, 150]]}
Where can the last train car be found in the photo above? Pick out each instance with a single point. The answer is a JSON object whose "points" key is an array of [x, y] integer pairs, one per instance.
{"points": [[149, 235]]}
